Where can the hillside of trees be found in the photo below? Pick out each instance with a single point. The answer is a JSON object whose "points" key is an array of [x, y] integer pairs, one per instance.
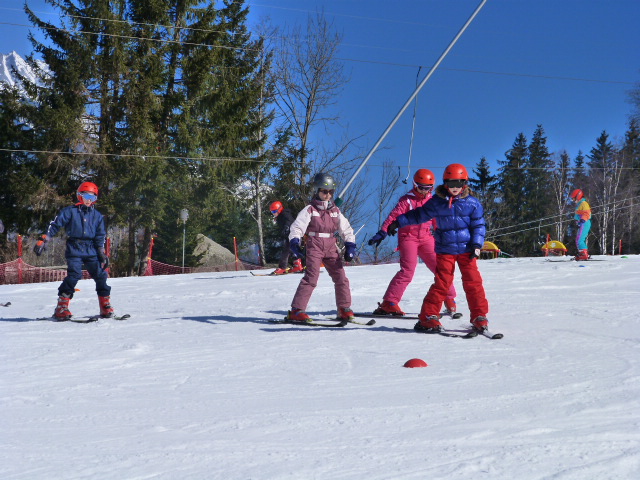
{"points": [[174, 104]]}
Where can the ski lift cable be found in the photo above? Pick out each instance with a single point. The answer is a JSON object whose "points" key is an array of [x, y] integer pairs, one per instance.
{"points": [[413, 127], [410, 99]]}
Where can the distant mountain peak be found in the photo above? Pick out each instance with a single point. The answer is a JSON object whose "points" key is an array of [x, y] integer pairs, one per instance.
{"points": [[13, 62]]}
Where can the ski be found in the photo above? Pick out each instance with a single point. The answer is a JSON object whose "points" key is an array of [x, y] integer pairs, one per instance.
{"points": [[311, 323], [6, 304], [443, 333], [369, 323], [273, 274], [90, 319], [488, 334], [404, 317]]}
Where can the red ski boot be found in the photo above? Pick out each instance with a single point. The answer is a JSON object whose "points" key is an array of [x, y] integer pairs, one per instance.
{"points": [[388, 308], [297, 266], [62, 309], [298, 315], [106, 311]]}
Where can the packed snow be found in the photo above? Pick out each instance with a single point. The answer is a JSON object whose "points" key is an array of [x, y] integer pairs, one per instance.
{"points": [[198, 385]]}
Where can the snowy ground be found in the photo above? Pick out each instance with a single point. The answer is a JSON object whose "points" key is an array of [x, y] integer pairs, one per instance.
{"points": [[197, 385]]}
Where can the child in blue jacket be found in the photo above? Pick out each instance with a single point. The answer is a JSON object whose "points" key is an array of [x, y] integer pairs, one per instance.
{"points": [[86, 234], [459, 238]]}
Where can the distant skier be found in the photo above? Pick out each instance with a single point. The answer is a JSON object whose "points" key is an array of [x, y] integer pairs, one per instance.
{"points": [[459, 238], [413, 241], [583, 219], [284, 219], [319, 221], [86, 234]]}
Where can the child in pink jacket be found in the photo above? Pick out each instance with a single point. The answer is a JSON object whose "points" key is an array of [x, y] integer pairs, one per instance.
{"points": [[319, 221], [413, 241]]}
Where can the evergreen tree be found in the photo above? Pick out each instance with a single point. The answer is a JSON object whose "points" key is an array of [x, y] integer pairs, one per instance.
{"points": [[484, 186], [538, 196], [511, 201]]}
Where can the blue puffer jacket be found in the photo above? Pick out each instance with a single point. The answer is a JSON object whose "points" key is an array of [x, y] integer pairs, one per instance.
{"points": [[460, 226], [84, 227]]}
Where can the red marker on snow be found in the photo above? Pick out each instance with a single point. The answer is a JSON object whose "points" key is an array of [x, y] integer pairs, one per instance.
{"points": [[415, 363]]}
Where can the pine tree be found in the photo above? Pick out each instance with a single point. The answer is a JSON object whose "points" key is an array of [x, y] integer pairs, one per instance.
{"points": [[511, 190]]}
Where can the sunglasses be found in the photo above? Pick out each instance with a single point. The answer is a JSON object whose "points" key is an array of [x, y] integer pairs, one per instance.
{"points": [[325, 191], [420, 186], [88, 196], [455, 183]]}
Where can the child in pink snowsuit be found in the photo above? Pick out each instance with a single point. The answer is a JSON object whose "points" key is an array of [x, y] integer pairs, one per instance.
{"points": [[319, 221], [413, 241]]}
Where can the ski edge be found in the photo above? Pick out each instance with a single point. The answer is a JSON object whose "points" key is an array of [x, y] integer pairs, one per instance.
{"points": [[312, 323]]}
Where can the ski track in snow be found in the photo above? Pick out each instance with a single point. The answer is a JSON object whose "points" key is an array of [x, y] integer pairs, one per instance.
{"points": [[197, 384]]}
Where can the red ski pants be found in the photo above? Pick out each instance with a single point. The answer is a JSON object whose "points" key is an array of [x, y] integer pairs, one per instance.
{"points": [[411, 247], [471, 282]]}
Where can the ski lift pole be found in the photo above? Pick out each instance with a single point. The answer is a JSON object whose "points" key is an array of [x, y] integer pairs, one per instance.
{"points": [[339, 200]]}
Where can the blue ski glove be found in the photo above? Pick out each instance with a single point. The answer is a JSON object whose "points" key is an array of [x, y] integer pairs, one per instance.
{"points": [[41, 245], [378, 237], [349, 251], [392, 229], [580, 222], [104, 260], [294, 246]]}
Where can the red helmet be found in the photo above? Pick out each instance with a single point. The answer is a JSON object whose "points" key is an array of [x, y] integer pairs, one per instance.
{"points": [[424, 177], [87, 187], [576, 195], [276, 208], [455, 171]]}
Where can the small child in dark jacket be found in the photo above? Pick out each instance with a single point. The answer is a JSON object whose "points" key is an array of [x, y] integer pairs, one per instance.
{"points": [[459, 238], [86, 233], [284, 219]]}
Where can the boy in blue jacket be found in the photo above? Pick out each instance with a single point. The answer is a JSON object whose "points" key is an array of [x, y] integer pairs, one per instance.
{"points": [[459, 236], [86, 233]]}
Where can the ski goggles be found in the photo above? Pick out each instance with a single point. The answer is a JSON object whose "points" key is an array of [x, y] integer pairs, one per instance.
{"points": [[426, 188], [88, 196], [455, 183], [325, 191], [274, 212]]}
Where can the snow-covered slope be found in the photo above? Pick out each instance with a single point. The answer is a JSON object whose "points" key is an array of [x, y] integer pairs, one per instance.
{"points": [[197, 384]]}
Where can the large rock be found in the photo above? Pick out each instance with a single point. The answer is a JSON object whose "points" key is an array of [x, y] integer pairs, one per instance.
{"points": [[214, 254]]}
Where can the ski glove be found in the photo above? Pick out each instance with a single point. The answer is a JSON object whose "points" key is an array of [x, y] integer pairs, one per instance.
{"points": [[378, 237], [580, 222], [475, 253], [392, 229], [294, 246], [349, 251], [104, 260], [41, 245]]}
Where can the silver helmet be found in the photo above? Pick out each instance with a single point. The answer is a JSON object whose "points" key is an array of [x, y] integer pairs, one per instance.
{"points": [[324, 180]]}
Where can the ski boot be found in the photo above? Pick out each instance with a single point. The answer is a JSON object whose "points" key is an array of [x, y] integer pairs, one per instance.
{"points": [[480, 323], [62, 312], [430, 324], [106, 310], [298, 315], [449, 306], [582, 255], [345, 314], [297, 266], [388, 308], [280, 271]]}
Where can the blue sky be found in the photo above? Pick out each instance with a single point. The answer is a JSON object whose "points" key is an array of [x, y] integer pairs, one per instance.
{"points": [[564, 64]]}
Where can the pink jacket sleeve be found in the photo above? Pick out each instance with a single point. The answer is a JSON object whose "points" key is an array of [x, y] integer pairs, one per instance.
{"points": [[404, 205]]}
